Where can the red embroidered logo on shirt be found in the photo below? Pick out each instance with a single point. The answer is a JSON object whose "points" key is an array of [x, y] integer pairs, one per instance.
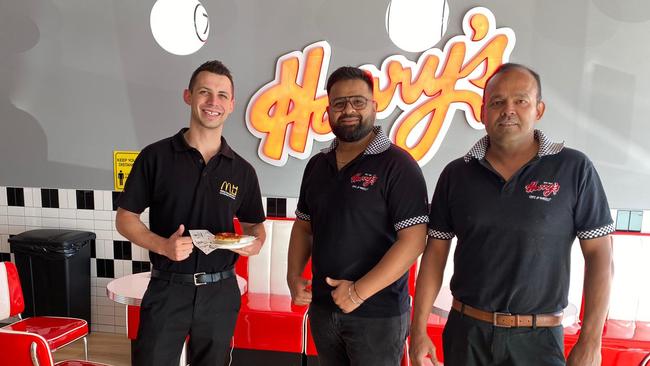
{"points": [[363, 180], [546, 188]]}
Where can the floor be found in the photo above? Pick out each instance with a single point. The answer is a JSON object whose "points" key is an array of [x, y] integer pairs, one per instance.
{"points": [[110, 348]]}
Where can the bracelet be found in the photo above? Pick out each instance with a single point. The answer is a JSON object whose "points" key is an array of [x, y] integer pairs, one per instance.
{"points": [[354, 284], [352, 298]]}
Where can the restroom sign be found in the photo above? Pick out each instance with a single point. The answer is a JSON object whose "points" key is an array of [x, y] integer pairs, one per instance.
{"points": [[122, 164]]}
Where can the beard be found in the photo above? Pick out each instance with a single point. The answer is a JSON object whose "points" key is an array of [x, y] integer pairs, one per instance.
{"points": [[353, 133]]}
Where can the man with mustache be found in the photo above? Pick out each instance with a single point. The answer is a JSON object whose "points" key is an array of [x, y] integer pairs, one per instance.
{"points": [[361, 217], [516, 202], [193, 180]]}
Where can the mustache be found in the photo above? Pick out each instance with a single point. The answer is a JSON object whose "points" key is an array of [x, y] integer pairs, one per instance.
{"points": [[507, 118], [343, 116]]}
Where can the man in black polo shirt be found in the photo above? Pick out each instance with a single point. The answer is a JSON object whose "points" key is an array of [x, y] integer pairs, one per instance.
{"points": [[361, 216], [516, 202], [192, 180]]}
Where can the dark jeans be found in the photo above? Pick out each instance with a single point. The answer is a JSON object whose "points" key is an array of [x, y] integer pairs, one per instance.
{"points": [[468, 342], [170, 312], [345, 339]]}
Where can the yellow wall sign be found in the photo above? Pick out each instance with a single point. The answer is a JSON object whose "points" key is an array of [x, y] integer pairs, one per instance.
{"points": [[122, 163]]}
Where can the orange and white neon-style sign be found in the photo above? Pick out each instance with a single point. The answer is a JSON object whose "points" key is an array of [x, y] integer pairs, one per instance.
{"points": [[289, 113]]}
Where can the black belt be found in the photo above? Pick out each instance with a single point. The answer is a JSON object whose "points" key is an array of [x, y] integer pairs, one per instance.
{"points": [[196, 279]]}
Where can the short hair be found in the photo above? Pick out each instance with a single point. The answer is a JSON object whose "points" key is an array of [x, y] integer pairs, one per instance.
{"points": [[215, 67], [510, 66], [350, 73]]}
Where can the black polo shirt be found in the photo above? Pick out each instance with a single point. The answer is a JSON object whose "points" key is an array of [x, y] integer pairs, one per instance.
{"points": [[171, 178], [514, 238], [355, 214]]}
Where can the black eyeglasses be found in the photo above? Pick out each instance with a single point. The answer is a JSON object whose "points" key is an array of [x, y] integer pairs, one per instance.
{"points": [[356, 101]]}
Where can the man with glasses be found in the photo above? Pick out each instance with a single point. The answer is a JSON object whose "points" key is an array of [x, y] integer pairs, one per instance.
{"points": [[361, 217]]}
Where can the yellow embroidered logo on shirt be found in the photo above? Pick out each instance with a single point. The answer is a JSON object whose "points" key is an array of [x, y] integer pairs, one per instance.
{"points": [[228, 189]]}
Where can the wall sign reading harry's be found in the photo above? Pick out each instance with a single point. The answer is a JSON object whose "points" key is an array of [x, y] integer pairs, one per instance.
{"points": [[288, 113]]}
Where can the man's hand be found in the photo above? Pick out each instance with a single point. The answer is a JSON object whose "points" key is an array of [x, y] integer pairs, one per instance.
{"points": [[421, 347], [344, 295], [585, 354], [178, 247], [252, 249], [300, 290]]}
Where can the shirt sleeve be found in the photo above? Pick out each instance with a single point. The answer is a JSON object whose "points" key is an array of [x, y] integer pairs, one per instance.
{"points": [[407, 194], [592, 217], [440, 225], [251, 210], [136, 196]]}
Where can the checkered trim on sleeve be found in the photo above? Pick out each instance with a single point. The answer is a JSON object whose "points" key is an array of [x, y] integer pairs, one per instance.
{"points": [[412, 221], [596, 233], [440, 234], [378, 145], [546, 147], [303, 216]]}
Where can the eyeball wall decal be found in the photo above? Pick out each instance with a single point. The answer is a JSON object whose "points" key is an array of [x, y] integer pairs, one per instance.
{"points": [[416, 25], [180, 27]]}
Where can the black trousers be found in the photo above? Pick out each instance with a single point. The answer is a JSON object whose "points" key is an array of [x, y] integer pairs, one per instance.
{"points": [[468, 342], [171, 312], [348, 340]]}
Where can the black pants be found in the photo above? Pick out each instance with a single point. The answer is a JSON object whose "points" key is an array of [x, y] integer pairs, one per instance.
{"points": [[348, 340], [468, 342], [171, 312]]}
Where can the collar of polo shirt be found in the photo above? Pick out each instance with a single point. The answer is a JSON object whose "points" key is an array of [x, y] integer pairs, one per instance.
{"points": [[180, 144], [546, 147]]}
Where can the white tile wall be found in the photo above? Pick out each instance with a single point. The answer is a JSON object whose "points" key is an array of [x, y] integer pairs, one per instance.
{"points": [[33, 211], [15, 211], [3, 196], [29, 196], [107, 200], [37, 198], [72, 198], [292, 204], [645, 223], [16, 220], [63, 199]]}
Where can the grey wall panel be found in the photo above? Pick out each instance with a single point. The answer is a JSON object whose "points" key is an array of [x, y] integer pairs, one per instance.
{"points": [[79, 79]]}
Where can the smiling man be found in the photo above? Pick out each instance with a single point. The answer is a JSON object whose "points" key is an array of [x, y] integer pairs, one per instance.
{"points": [[516, 202], [361, 217], [181, 180]]}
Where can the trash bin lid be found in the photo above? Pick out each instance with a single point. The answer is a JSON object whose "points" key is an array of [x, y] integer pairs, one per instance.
{"points": [[60, 241]]}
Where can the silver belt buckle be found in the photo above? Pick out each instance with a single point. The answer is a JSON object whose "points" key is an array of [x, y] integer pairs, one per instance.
{"points": [[196, 276], [496, 315]]}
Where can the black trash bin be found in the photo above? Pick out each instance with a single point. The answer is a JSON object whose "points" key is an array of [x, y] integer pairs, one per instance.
{"points": [[54, 270]]}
